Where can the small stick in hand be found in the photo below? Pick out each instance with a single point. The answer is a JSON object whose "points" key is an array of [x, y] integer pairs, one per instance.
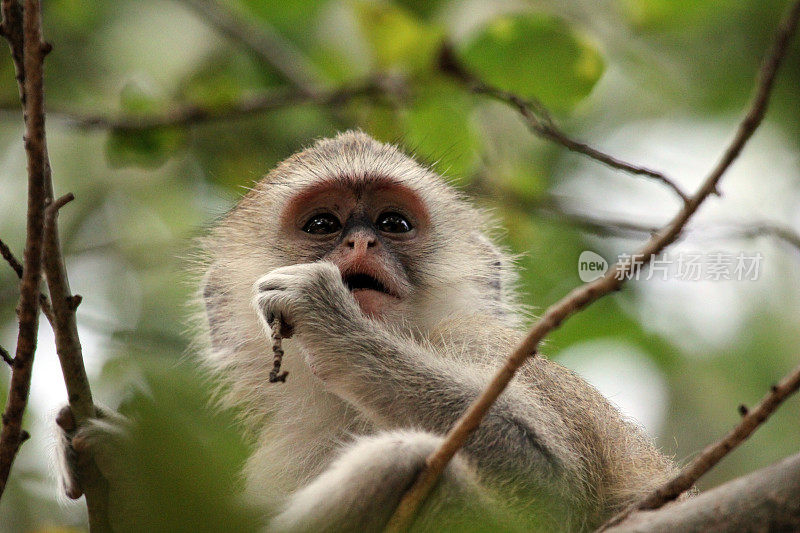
{"points": [[279, 331]]}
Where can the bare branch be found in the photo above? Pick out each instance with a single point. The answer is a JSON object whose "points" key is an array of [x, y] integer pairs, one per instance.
{"points": [[539, 121], [70, 356], [11, 29], [42, 249], [586, 294], [6, 357], [552, 208], [264, 42], [769, 497], [767, 229], [22, 33], [10, 259], [712, 454], [44, 303], [191, 114], [622, 228]]}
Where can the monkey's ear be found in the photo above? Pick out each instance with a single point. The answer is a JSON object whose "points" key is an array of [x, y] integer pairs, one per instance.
{"points": [[496, 272]]}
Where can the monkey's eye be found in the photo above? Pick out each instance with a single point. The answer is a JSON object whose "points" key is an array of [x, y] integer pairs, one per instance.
{"points": [[391, 222], [322, 224]]}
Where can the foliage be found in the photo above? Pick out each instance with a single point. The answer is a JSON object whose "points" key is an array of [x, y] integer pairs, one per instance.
{"points": [[601, 68]]}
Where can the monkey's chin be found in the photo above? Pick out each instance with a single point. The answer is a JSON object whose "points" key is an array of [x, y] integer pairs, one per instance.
{"points": [[376, 304]]}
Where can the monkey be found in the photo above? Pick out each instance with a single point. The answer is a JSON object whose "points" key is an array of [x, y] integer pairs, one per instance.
{"points": [[398, 307]]}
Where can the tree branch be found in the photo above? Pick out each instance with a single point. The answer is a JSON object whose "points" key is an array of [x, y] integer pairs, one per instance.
{"points": [[24, 39], [768, 229], [10, 259], [42, 247], [713, 453], [6, 357], [586, 294], [261, 40], [70, 355], [539, 121], [44, 302], [769, 497], [551, 208], [192, 114], [11, 29]]}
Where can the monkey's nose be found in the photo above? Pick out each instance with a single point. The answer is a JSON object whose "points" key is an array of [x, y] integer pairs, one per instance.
{"points": [[361, 241]]}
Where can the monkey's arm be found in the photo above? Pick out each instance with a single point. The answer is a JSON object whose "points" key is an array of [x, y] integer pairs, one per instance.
{"points": [[361, 488], [400, 384]]}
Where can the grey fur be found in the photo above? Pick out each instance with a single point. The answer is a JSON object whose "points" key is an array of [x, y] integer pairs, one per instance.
{"points": [[551, 442], [367, 401]]}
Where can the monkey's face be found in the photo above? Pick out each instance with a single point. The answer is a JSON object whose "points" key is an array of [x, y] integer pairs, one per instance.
{"points": [[373, 231]]}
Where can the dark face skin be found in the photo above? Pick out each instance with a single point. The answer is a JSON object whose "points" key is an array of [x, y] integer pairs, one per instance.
{"points": [[371, 231]]}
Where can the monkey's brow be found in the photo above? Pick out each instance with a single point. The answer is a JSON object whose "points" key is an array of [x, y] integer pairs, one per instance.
{"points": [[361, 181]]}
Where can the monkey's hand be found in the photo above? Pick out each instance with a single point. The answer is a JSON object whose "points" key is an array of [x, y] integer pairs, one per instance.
{"points": [[98, 440], [314, 303]]}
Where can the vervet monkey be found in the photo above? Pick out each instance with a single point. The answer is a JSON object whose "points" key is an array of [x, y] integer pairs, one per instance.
{"points": [[400, 308]]}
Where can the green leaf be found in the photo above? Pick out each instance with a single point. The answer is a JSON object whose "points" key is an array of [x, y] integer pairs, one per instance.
{"points": [[652, 14], [138, 97], [146, 149], [398, 40], [422, 8], [438, 130], [536, 56], [291, 18], [183, 456], [221, 79], [72, 15]]}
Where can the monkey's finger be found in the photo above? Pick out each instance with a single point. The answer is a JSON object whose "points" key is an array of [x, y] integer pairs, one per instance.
{"points": [[274, 304], [276, 322], [275, 282], [65, 419], [73, 490], [285, 329]]}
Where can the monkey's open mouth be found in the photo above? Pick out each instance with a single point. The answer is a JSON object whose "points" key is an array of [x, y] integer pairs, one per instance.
{"points": [[356, 282]]}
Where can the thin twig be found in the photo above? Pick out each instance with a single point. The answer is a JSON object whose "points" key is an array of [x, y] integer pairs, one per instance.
{"points": [[584, 295], [623, 228], [10, 259], [767, 229], [6, 357], [263, 41], [192, 114], [552, 208], [767, 500], [44, 302], [24, 37], [712, 454], [539, 121], [618, 227], [11, 29], [275, 375], [70, 355]]}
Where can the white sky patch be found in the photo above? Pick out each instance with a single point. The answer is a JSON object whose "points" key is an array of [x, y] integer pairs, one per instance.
{"points": [[623, 374]]}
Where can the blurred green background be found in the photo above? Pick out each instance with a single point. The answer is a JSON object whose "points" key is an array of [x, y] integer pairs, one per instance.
{"points": [[657, 82]]}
